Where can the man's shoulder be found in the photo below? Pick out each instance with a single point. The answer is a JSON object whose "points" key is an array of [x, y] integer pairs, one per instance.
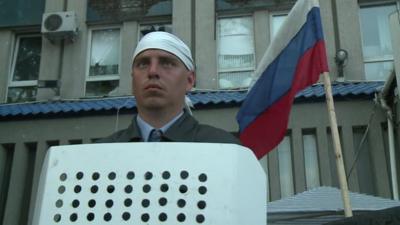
{"points": [[208, 133], [114, 137], [125, 135], [189, 129]]}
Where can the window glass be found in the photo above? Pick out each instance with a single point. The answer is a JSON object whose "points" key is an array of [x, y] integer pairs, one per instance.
{"points": [[236, 60], [376, 42], [276, 23], [311, 160], [21, 94], [103, 69], [25, 69], [105, 52], [378, 70], [285, 167], [102, 88], [145, 29], [27, 62], [21, 12], [127, 10], [229, 5]]}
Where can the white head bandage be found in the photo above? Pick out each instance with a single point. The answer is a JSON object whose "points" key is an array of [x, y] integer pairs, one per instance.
{"points": [[167, 42]]}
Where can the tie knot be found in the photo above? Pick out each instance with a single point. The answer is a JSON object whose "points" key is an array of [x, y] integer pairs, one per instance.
{"points": [[155, 135]]}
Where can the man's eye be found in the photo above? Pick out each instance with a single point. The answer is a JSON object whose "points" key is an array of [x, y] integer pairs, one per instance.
{"points": [[141, 64], [168, 63]]}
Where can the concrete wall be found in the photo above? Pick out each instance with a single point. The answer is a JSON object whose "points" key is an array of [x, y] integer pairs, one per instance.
{"points": [[349, 37], [395, 35], [205, 45], [183, 21], [6, 45]]}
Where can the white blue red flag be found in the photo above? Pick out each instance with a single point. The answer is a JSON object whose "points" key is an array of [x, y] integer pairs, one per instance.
{"points": [[294, 60]]}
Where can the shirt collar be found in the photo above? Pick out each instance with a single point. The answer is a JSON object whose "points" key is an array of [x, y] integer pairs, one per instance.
{"points": [[146, 128]]}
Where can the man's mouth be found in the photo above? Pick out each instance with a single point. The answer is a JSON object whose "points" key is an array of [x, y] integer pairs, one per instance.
{"points": [[152, 86]]}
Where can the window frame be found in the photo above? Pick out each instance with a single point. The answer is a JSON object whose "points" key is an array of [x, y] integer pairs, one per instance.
{"points": [[13, 61], [99, 78], [89, 49], [271, 16], [375, 59], [24, 83], [247, 69]]}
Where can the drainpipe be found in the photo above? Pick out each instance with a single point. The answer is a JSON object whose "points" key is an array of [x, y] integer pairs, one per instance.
{"points": [[389, 115]]}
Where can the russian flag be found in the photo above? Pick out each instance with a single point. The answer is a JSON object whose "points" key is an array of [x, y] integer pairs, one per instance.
{"points": [[294, 60]]}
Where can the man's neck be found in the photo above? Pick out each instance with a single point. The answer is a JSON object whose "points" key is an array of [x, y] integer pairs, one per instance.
{"points": [[158, 119]]}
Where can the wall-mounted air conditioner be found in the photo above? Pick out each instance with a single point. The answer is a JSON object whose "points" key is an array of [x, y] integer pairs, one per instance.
{"points": [[60, 26]]}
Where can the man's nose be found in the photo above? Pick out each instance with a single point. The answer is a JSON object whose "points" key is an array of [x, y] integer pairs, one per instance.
{"points": [[153, 69]]}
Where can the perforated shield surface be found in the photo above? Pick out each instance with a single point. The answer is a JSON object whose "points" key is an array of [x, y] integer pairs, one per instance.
{"points": [[151, 183]]}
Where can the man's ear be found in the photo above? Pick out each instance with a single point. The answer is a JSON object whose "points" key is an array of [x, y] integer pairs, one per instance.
{"points": [[191, 80], [132, 83]]}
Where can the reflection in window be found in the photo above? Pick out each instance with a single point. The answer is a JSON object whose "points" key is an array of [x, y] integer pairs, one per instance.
{"points": [[226, 5], [377, 46], [102, 88], [276, 23], [25, 69], [21, 94], [104, 54], [126, 10], [285, 167], [145, 29], [311, 160], [103, 71], [236, 60]]}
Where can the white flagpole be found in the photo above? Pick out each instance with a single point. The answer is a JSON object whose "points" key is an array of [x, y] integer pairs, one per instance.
{"points": [[338, 149]]}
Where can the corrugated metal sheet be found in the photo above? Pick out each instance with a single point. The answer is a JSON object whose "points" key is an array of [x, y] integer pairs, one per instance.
{"points": [[328, 199], [308, 220], [199, 98], [345, 89]]}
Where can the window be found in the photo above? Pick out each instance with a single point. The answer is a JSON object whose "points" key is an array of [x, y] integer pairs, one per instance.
{"points": [[285, 167], [25, 69], [127, 10], [145, 29], [235, 52], [250, 5], [376, 43], [311, 160], [276, 23], [21, 13], [104, 59]]}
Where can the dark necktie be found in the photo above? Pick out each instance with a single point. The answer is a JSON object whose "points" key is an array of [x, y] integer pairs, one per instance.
{"points": [[155, 135]]}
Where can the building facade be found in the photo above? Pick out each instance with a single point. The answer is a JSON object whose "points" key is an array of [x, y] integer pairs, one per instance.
{"points": [[228, 39]]}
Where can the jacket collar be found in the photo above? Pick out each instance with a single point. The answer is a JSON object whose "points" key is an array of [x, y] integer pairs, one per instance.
{"points": [[181, 130]]}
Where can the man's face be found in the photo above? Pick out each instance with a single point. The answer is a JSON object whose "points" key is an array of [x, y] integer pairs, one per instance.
{"points": [[160, 80]]}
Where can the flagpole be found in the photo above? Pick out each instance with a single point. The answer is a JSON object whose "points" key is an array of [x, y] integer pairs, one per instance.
{"points": [[337, 147]]}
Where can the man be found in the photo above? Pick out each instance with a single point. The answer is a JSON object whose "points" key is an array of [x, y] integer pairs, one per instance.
{"points": [[162, 74]]}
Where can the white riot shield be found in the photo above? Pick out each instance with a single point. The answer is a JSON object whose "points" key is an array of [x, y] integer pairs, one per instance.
{"points": [[151, 183]]}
